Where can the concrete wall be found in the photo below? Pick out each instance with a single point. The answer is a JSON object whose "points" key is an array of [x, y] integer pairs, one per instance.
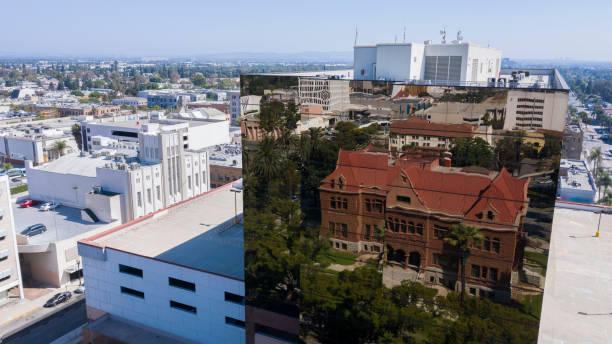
{"points": [[394, 62], [104, 282], [364, 60], [8, 242], [59, 187], [214, 133]]}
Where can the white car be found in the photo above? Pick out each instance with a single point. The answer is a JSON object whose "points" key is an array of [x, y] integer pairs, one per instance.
{"points": [[49, 206]]}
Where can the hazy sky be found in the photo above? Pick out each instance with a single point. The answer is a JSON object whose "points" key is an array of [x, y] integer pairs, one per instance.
{"points": [[522, 29]]}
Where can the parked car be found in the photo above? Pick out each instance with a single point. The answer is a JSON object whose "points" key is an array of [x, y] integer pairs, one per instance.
{"points": [[29, 203], [58, 298], [49, 206], [79, 290], [36, 229]]}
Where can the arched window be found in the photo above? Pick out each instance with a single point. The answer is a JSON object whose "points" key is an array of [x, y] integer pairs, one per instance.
{"points": [[490, 215]]}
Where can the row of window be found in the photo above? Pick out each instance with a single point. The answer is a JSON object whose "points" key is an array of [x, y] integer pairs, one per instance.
{"points": [[529, 113], [338, 228], [484, 272], [396, 225], [374, 205], [522, 106], [535, 125], [537, 119], [532, 100], [338, 203]]}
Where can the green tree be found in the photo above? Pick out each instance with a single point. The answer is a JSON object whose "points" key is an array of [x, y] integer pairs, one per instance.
{"points": [[463, 238], [7, 166], [156, 79], [77, 93], [59, 147], [76, 133], [471, 152], [604, 180], [595, 157], [199, 80]]}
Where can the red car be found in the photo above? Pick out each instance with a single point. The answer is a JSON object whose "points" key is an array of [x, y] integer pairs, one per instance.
{"points": [[28, 203]]}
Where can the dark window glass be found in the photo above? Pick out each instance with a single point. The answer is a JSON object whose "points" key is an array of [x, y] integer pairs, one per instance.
{"points": [[403, 199], [174, 282], [183, 307], [475, 270], [130, 270], [124, 133], [132, 292], [234, 298], [235, 322]]}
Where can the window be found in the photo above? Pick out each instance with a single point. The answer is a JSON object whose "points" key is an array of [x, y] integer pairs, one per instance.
{"points": [[344, 247], [493, 274], [333, 183], [189, 182], [196, 180], [378, 206], [411, 227], [130, 270], [332, 228], [158, 191], [149, 195], [403, 199], [345, 203], [475, 270], [486, 244], [368, 205], [490, 215], [496, 245], [332, 202], [484, 272], [368, 230], [419, 229], [139, 197], [234, 322], [183, 307], [132, 292], [403, 226], [344, 230], [234, 298], [177, 283], [473, 291]]}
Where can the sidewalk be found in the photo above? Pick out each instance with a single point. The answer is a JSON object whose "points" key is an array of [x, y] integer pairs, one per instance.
{"points": [[18, 313]]}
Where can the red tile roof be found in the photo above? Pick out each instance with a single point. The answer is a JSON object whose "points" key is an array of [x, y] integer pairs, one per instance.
{"points": [[420, 126], [438, 189]]}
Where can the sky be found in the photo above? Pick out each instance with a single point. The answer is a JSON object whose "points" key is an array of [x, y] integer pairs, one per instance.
{"points": [[535, 29]]}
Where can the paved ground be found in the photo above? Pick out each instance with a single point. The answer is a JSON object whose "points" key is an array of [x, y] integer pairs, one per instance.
{"points": [[52, 326], [62, 223], [577, 305]]}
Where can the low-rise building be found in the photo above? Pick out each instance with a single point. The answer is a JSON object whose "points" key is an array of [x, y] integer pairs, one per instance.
{"points": [[225, 164], [88, 110], [576, 183], [130, 101], [178, 273]]}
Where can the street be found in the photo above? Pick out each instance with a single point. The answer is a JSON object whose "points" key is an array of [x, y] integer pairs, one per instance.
{"points": [[51, 326]]}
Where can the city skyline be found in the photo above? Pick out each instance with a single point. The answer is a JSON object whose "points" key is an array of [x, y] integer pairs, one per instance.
{"points": [[191, 28]]}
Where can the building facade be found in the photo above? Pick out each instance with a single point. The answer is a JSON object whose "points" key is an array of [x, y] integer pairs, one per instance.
{"points": [[573, 137], [412, 203], [10, 270], [331, 95]]}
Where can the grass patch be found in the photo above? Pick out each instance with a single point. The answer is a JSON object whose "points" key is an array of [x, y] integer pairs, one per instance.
{"points": [[336, 257], [19, 189], [537, 258], [532, 305]]}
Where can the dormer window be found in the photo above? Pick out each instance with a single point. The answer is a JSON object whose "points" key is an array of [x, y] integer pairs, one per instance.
{"points": [[340, 182], [333, 183], [490, 215], [479, 216]]}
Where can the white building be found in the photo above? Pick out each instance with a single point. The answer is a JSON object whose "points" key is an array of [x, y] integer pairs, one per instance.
{"points": [[575, 182], [178, 274], [239, 106], [130, 101], [455, 62], [331, 95], [10, 270]]}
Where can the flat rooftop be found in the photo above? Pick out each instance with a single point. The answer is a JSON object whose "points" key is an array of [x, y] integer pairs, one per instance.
{"points": [[198, 233], [75, 164], [578, 177], [577, 305]]}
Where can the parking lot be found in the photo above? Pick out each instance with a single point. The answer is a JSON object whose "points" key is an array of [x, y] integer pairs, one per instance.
{"points": [[62, 223]]}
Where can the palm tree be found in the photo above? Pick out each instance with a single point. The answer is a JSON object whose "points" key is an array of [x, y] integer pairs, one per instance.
{"points": [[463, 238], [59, 147], [604, 180], [267, 159], [595, 158]]}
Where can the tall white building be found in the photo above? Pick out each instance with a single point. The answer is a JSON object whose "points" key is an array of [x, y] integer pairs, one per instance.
{"points": [[455, 62], [10, 270]]}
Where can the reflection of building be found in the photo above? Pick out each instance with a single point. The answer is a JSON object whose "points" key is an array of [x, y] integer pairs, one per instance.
{"points": [[533, 109], [252, 131], [331, 95], [423, 133], [175, 277], [418, 200], [10, 271], [576, 183], [572, 142], [225, 164], [454, 62]]}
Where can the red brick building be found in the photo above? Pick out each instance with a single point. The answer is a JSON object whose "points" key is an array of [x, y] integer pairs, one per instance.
{"points": [[415, 201]]}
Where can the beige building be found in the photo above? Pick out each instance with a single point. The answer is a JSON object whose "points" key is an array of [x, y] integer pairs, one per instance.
{"points": [[332, 95], [536, 109], [10, 272]]}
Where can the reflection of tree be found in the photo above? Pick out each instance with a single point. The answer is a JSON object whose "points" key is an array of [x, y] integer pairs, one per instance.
{"points": [[471, 152], [463, 238]]}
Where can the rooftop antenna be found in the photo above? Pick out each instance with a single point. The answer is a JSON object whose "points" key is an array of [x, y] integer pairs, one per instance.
{"points": [[404, 34], [443, 33], [356, 35], [459, 36]]}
